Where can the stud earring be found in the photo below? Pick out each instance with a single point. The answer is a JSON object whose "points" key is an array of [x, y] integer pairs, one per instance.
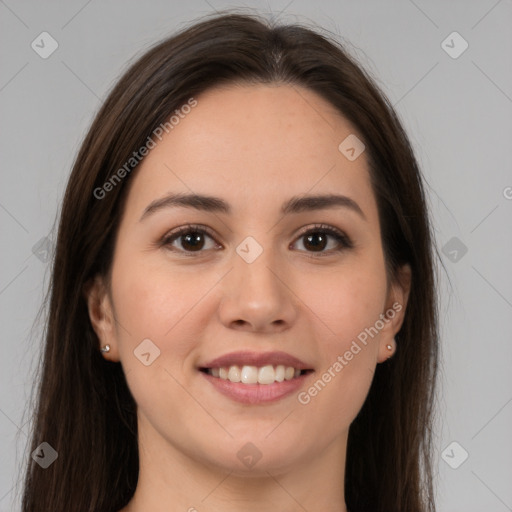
{"points": [[390, 347], [106, 348]]}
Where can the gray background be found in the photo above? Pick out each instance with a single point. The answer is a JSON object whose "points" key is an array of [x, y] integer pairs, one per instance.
{"points": [[456, 110]]}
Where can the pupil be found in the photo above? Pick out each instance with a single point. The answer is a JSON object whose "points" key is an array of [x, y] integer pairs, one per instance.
{"points": [[193, 240], [313, 237]]}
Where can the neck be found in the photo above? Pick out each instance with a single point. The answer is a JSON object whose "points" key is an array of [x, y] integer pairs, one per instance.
{"points": [[170, 481]]}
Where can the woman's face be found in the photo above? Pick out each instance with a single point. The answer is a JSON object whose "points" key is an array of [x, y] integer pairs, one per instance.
{"points": [[253, 289]]}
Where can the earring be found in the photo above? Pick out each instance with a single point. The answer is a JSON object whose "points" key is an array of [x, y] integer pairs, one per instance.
{"points": [[106, 348], [390, 347]]}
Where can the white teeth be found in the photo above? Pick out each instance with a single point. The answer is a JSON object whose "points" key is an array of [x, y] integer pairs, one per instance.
{"points": [[249, 375], [266, 375], [234, 374], [256, 375], [280, 371]]}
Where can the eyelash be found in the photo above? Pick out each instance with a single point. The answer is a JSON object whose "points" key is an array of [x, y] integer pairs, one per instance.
{"points": [[342, 239]]}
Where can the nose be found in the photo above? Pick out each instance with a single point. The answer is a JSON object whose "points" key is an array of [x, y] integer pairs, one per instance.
{"points": [[258, 296]]}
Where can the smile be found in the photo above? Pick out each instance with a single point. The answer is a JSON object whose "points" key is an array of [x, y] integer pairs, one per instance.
{"points": [[255, 375]]}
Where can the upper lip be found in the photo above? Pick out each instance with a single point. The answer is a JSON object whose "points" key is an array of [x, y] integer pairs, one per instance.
{"points": [[247, 358]]}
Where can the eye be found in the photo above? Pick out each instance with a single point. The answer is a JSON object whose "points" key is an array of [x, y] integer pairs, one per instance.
{"points": [[316, 239], [190, 237]]}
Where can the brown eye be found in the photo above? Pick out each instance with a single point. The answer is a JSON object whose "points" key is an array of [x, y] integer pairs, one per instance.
{"points": [[317, 240], [192, 241], [189, 239]]}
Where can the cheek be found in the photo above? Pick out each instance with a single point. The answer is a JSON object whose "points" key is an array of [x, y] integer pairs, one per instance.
{"points": [[151, 292], [337, 395], [153, 303], [346, 302], [347, 353], [345, 306]]}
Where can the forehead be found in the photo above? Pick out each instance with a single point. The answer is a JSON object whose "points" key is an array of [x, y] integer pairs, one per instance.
{"points": [[254, 141]]}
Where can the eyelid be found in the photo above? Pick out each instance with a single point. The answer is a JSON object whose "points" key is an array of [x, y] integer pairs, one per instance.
{"points": [[188, 228], [321, 227]]}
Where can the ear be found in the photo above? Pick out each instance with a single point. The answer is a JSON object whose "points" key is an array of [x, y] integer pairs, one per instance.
{"points": [[394, 314], [101, 315]]}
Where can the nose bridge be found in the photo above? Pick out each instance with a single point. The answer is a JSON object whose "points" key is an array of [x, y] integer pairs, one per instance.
{"points": [[256, 294], [255, 265]]}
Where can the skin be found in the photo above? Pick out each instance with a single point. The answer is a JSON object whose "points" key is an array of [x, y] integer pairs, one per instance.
{"points": [[255, 146]]}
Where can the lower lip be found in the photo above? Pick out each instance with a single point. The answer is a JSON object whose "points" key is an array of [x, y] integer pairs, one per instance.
{"points": [[256, 393]]}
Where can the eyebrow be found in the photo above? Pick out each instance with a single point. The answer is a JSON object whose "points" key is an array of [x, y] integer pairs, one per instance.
{"points": [[296, 204]]}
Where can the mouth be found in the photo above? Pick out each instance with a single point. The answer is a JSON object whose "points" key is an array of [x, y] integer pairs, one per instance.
{"points": [[256, 378], [264, 375]]}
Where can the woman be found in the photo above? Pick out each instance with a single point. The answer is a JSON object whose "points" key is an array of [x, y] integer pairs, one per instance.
{"points": [[242, 311]]}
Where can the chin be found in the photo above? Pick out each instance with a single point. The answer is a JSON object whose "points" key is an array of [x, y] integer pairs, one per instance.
{"points": [[256, 455]]}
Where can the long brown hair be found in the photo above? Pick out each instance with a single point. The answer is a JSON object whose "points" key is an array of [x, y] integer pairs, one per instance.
{"points": [[84, 408]]}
